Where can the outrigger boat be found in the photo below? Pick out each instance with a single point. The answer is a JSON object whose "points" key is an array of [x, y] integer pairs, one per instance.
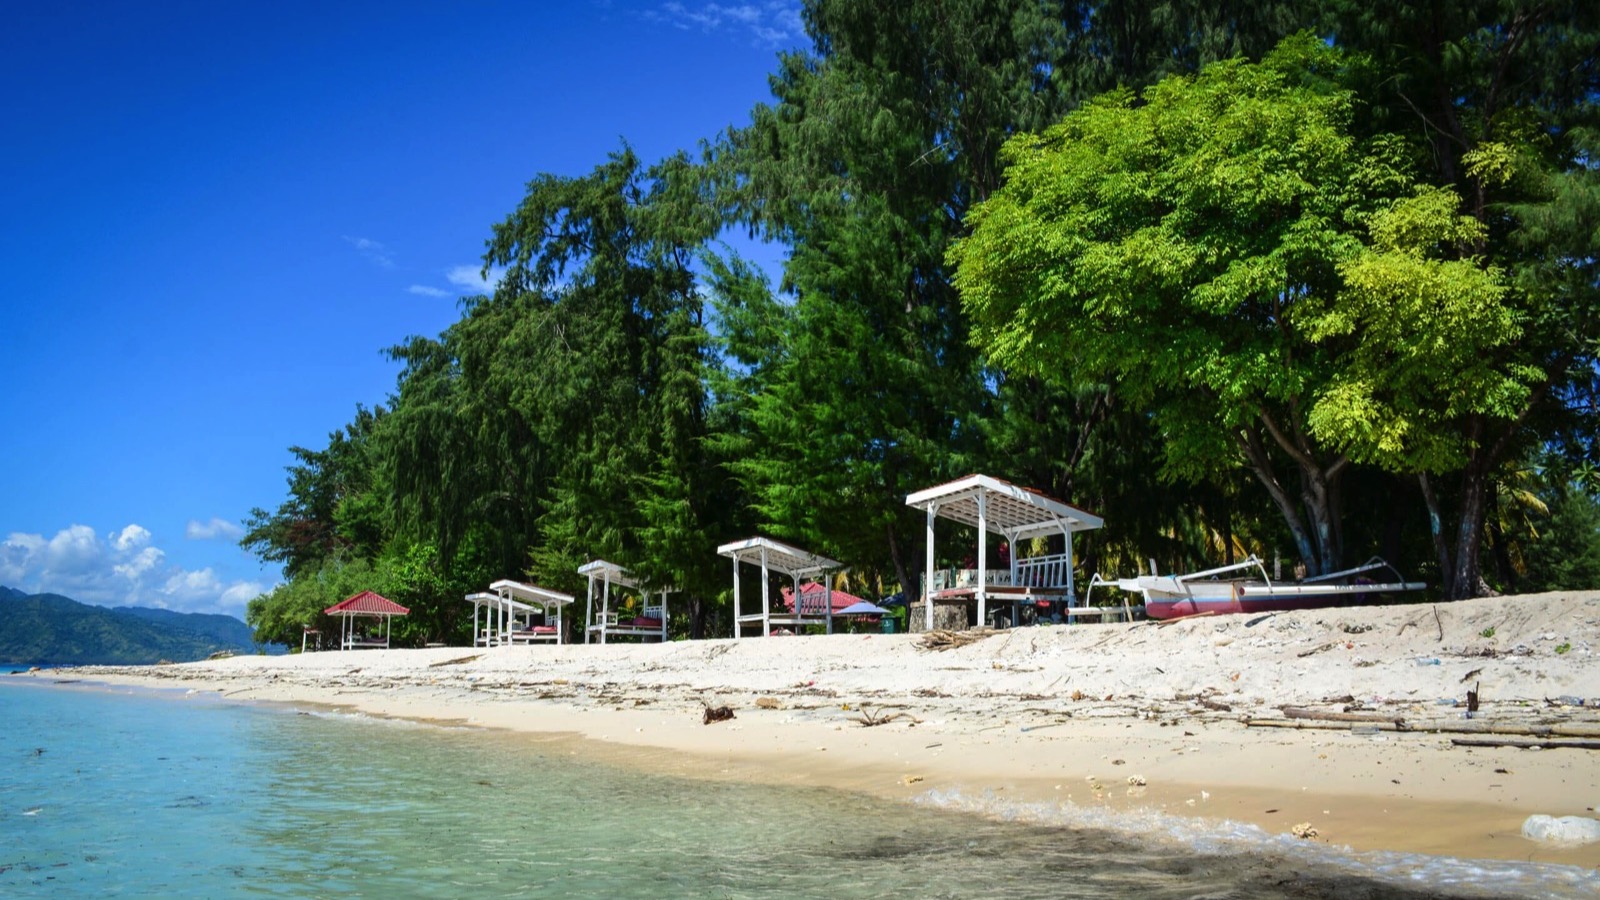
{"points": [[1176, 596]]}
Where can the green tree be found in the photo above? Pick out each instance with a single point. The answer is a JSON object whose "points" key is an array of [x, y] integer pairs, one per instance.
{"points": [[335, 505], [1504, 95], [1199, 249]]}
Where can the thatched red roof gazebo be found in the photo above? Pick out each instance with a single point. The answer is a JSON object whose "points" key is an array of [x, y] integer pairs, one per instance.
{"points": [[366, 603]]}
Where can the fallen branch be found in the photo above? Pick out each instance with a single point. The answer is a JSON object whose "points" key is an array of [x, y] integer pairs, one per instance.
{"points": [[1525, 743], [869, 719], [947, 640], [455, 662]]}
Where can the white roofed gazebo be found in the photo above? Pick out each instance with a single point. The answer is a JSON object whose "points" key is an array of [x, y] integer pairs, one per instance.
{"points": [[651, 621], [994, 506], [815, 608], [517, 613]]}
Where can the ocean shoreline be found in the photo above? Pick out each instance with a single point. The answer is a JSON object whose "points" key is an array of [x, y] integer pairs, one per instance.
{"points": [[1075, 715]]}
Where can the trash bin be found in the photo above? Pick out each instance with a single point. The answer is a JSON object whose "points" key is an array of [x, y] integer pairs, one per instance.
{"points": [[887, 624]]}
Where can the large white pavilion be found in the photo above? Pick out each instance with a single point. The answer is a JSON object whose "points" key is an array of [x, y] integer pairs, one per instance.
{"points": [[815, 608], [651, 622], [994, 506]]}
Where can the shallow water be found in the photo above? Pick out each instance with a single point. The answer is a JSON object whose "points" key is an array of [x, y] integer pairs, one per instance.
{"points": [[118, 792]]}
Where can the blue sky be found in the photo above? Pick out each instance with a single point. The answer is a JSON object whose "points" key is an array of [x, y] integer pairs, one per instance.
{"points": [[216, 217]]}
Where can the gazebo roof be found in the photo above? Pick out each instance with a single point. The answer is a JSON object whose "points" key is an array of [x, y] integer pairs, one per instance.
{"points": [[811, 589], [608, 571], [1009, 510], [366, 603], [529, 593], [779, 556]]}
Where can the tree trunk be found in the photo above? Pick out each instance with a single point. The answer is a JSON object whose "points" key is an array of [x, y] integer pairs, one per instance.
{"points": [[697, 619], [1465, 577], [908, 587], [1441, 547], [1318, 543]]}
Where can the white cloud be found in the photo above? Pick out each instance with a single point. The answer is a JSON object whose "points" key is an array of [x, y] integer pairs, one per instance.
{"points": [[770, 22], [210, 531], [425, 291], [144, 561], [375, 252], [120, 569], [472, 278], [130, 538]]}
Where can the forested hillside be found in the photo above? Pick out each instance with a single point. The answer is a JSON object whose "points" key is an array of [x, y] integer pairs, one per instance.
{"points": [[49, 629], [1310, 280]]}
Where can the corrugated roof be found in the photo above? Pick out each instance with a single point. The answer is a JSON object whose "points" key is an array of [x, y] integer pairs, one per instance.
{"points": [[811, 593], [367, 603]]}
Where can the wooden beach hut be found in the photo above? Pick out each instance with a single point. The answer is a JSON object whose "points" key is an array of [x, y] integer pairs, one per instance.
{"points": [[365, 605], [995, 506], [774, 556], [650, 620]]}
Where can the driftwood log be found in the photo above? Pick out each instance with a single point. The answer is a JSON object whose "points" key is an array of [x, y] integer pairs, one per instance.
{"points": [[1301, 712], [1525, 743], [1448, 726]]}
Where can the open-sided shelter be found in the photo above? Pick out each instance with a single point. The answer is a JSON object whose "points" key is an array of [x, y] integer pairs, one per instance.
{"points": [[774, 556], [994, 506], [650, 620], [517, 613], [365, 605]]}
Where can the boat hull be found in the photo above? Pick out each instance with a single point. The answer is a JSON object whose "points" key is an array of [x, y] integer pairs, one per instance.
{"points": [[1166, 599]]}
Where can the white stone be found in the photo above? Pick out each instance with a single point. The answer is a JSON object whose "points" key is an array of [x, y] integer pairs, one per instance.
{"points": [[1563, 830]]}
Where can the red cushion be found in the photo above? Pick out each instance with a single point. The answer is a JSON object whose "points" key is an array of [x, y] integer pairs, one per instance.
{"points": [[544, 629], [642, 622]]}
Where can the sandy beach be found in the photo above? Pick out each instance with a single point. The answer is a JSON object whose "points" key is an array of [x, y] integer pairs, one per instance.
{"points": [[1344, 720]]}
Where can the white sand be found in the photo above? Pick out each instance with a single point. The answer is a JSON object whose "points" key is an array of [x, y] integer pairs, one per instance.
{"points": [[1036, 713]]}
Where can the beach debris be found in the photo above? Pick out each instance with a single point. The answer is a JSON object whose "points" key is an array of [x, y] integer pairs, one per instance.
{"points": [[910, 779], [1563, 830], [221, 654], [947, 640], [1077, 695], [1471, 675], [1304, 830], [716, 713], [769, 703], [1137, 780], [1119, 762], [869, 718]]}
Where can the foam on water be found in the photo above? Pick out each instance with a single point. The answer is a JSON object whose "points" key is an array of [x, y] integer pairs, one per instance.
{"points": [[1211, 837]]}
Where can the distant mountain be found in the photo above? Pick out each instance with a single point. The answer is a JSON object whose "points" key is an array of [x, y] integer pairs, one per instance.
{"points": [[49, 629], [226, 629]]}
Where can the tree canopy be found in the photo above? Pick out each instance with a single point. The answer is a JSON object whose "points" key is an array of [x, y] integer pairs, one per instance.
{"points": [[1238, 285]]}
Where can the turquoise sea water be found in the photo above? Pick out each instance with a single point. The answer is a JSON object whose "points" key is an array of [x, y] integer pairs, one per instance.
{"points": [[112, 792]]}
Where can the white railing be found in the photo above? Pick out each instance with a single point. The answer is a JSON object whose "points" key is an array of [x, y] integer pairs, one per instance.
{"points": [[1035, 571], [1044, 571]]}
